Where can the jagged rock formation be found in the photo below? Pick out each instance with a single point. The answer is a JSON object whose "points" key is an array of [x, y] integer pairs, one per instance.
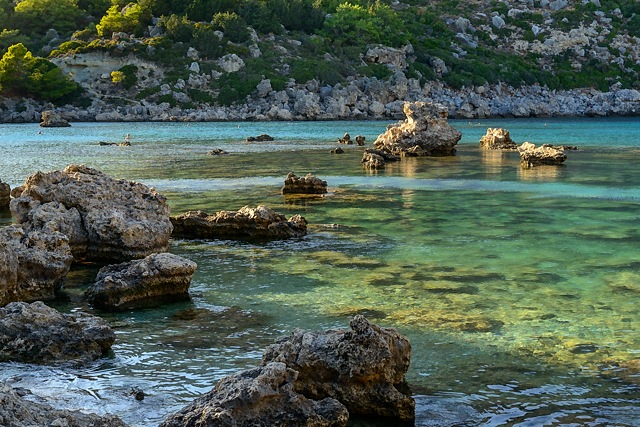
{"points": [[18, 412], [246, 223], [52, 119], [35, 333], [261, 396], [363, 368], [497, 139], [308, 184], [377, 159], [346, 139], [149, 281], [530, 155], [425, 132], [5, 196], [104, 218]]}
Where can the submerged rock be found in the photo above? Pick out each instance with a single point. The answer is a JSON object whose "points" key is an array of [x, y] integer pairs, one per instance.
{"points": [[261, 397], [497, 139], [424, 132], [5, 196], [308, 184], [35, 333], [52, 119], [546, 154], [154, 279], [247, 223], [107, 219], [363, 368]]}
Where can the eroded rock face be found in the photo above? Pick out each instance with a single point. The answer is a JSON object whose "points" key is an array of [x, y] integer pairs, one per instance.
{"points": [[105, 218], [530, 155], [5, 196], [308, 184], [52, 119], [363, 367], [247, 223], [154, 279], [35, 333], [261, 397], [497, 139], [424, 132]]}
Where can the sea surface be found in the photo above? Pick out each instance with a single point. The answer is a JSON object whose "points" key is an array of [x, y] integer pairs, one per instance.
{"points": [[518, 288]]}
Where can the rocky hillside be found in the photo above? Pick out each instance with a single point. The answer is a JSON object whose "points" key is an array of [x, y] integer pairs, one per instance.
{"points": [[480, 58]]}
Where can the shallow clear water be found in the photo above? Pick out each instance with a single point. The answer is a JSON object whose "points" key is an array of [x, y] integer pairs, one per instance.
{"points": [[518, 288]]}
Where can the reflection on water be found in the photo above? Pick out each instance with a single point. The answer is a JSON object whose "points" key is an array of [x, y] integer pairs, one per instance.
{"points": [[518, 288]]}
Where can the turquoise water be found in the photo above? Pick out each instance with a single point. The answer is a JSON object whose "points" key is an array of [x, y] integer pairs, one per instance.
{"points": [[519, 288]]}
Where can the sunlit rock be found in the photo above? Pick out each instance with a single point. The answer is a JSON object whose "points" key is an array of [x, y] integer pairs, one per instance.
{"points": [[308, 184], [52, 119], [530, 155], [497, 139]]}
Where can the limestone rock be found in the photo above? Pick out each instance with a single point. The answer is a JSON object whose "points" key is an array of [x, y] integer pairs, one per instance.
{"points": [[363, 368], [260, 397], [35, 333], [426, 127], [18, 412], [530, 155], [5, 196], [346, 139], [52, 119], [119, 219], [377, 159], [360, 139], [497, 139], [149, 281], [308, 184], [231, 63], [247, 223], [395, 58], [260, 138]]}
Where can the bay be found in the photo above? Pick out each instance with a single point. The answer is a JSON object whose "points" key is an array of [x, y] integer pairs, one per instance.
{"points": [[517, 287]]}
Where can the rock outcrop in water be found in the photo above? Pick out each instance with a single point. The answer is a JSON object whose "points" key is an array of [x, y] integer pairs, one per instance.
{"points": [[35, 333], [363, 368], [377, 159], [149, 281], [5, 196], [530, 155], [425, 132], [51, 119], [104, 218], [263, 396], [308, 184], [246, 223], [497, 139]]}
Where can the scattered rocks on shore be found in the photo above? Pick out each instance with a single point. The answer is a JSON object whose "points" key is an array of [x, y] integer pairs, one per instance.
{"points": [[52, 119], [497, 139], [5, 196], [546, 154], [308, 184], [36, 333], [155, 279], [246, 223]]}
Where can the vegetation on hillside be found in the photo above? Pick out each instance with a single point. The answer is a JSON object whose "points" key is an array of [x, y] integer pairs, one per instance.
{"points": [[323, 40]]}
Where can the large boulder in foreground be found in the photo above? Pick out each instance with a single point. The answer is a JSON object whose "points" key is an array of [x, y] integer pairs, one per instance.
{"points": [[363, 368], [18, 412], [425, 132], [5, 196], [497, 139], [260, 397], [149, 281], [546, 154], [36, 333], [307, 184], [258, 223], [107, 219]]}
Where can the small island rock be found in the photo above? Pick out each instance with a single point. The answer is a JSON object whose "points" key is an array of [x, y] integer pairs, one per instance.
{"points": [[546, 154], [308, 184], [497, 139], [52, 119], [260, 138]]}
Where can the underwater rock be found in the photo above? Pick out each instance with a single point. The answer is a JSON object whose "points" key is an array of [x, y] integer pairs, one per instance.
{"points": [[425, 127], [247, 223], [262, 396], [260, 138], [36, 333], [50, 118], [546, 154], [497, 139], [5, 196], [309, 184], [363, 368], [154, 279], [120, 219]]}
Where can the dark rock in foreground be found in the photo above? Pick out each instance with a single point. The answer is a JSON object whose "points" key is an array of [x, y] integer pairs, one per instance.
{"points": [[377, 159], [308, 184], [5, 196], [546, 154], [247, 223], [52, 119], [36, 333], [18, 412], [260, 397], [497, 139], [149, 281], [363, 368]]}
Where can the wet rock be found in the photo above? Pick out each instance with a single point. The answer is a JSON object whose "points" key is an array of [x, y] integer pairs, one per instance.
{"points": [[497, 139], [377, 159], [261, 396], [425, 127], [149, 281], [115, 144], [260, 138], [112, 219], [52, 119], [360, 139], [346, 139], [308, 184], [337, 150], [5, 196], [530, 155], [36, 333], [246, 223], [217, 152], [363, 368], [18, 412]]}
